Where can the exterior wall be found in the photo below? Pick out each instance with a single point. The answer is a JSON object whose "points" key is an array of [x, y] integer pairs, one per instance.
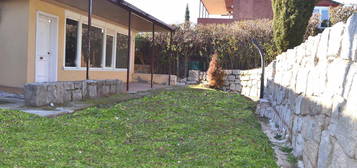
{"points": [[63, 73], [214, 21], [252, 9], [13, 42]]}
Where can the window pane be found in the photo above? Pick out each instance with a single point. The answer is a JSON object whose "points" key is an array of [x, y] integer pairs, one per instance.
{"points": [[122, 51], [96, 46], [71, 42], [109, 52]]}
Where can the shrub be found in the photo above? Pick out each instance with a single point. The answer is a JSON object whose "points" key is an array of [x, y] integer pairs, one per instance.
{"points": [[232, 44], [290, 20], [312, 28], [341, 14], [215, 74]]}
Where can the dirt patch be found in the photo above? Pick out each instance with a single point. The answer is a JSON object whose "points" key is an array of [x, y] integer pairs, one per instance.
{"points": [[281, 146]]}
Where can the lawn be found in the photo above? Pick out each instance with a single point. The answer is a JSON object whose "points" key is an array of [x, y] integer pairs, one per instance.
{"points": [[184, 127]]}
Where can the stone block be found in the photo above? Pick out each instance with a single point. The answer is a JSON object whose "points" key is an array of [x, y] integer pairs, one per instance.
{"points": [[193, 75], [350, 80], [335, 40], [67, 97], [336, 74], [92, 89], [301, 83], [231, 77], [340, 159], [77, 95], [310, 153], [78, 84], [84, 89], [68, 85], [323, 45], [325, 150], [236, 72], [349, 42], [106, 90], [298, 146]]}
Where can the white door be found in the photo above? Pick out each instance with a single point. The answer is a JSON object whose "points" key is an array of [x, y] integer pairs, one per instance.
{"points": [[46, 53]]}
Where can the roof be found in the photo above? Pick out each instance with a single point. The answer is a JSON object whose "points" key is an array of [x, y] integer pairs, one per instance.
{"points": [[215, 7], [141, 13], [118, 11], [222, 7]]}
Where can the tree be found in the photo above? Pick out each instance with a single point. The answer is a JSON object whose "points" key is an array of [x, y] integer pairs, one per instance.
{"points": [[187, 14], [290, 20]]}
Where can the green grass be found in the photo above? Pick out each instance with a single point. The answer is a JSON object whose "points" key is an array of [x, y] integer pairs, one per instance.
{"points": [[186, 127]]}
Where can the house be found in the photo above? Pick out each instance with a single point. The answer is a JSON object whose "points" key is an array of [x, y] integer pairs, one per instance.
{"points": [[227, 11], [47, 40]]}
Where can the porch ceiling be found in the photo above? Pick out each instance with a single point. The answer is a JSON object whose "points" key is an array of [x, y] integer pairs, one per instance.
{"points": [[216, 7], [117, 11]]}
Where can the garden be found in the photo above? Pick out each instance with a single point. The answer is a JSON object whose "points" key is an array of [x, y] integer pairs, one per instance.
{"points": [[183, 127]]}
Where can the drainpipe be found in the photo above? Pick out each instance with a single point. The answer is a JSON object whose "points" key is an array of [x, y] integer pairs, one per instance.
{"points": [[129, 50], [263, 67], [153, 53], [170, 56], [90, 9]]}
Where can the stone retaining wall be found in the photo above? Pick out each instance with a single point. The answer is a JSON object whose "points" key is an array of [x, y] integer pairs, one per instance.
{"points": [[311, 95], [245, 82], [44, 93], [161, 79]]}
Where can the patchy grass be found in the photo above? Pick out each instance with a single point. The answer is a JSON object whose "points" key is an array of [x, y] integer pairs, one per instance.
{"points": [[189, 127]]}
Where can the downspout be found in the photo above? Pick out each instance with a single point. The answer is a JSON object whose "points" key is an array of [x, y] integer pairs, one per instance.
{"points": [[170, 57], [153, 53], [90, 9], [129, 51]]}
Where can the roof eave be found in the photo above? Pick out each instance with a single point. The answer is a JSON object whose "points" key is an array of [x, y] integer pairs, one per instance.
{"points": [[141, 13]]}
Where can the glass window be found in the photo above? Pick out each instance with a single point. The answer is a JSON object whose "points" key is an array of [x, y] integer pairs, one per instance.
{"points": [[324, 18], [71, 43], [96, 46], [122, 51], [109, 51]]}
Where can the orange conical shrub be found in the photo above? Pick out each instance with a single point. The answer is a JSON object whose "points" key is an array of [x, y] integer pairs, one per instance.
{"points": [[215, 74]]}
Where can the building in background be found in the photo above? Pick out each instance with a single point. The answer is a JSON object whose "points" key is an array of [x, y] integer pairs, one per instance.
{"points": [[228, 11]]}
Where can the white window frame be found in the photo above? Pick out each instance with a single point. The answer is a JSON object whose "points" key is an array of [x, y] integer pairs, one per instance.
{"points": [[107, 28], [111, 33]]}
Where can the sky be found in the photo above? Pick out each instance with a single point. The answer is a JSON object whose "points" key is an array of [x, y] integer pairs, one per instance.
{"points": [[169, 11], [173, 11]]}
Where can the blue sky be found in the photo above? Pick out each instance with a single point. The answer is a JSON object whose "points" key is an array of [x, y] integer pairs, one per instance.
{"points": [[173, 11]]}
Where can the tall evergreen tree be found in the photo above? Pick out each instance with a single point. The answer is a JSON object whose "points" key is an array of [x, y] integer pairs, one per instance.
{"points": [[187, 14], [290, 20]]}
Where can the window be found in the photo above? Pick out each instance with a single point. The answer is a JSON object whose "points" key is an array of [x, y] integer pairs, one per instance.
{"points": [[96, 46], [109, 48], [122, 51], [109, 51], [324, 16], [71, 43]]}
